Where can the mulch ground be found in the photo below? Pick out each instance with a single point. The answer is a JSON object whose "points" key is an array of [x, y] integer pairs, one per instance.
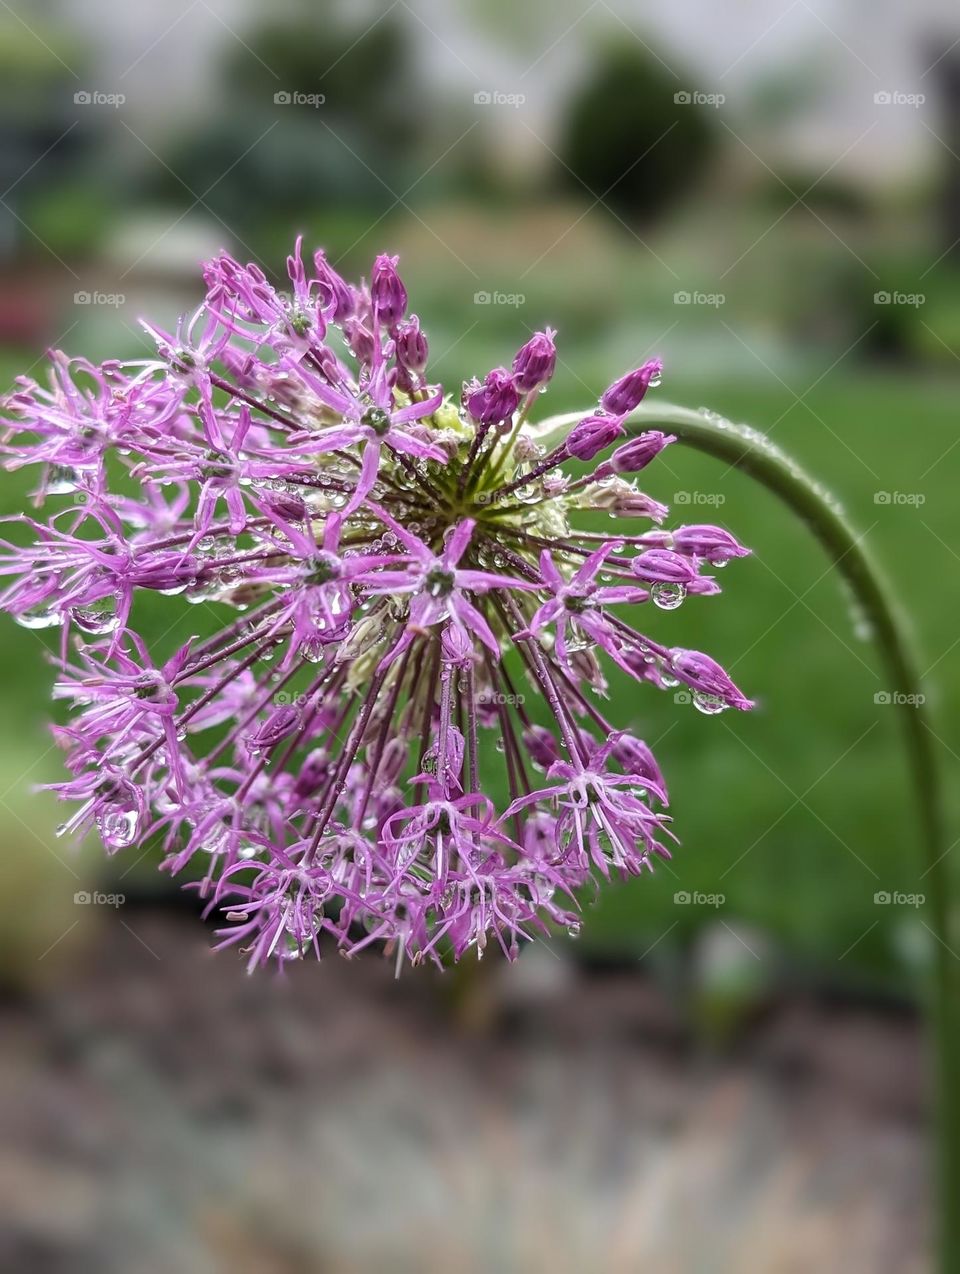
{"points": [[164, 1112]]}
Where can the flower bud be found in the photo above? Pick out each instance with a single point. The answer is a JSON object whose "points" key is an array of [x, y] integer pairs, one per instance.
{"points": [[705, 675], [456, 645], [535, 361], [412, 348], [592, 435], [392, 761], [636, 454], [287, 505], [635, 758], [495, 400], [313, 772], [636, 504], [661, 566], [336, 295], [586, 666], [387, 292], [541, 746], [359, 339], [279, 725], [627, 392], [711, 542]]}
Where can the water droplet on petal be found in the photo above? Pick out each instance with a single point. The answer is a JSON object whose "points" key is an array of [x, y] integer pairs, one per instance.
{"points": [[667, 595], [62, 480], [118, 826], [708, 704], [39, 616], [97, 618]]}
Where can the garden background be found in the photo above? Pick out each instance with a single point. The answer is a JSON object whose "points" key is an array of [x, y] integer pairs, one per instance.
{"points": [[769, 199]]}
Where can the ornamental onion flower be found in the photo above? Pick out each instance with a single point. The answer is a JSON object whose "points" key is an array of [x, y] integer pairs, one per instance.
{"points": [[390, 729]]}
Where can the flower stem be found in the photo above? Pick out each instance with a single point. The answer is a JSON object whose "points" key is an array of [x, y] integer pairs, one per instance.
{"points": [[752, 452]]}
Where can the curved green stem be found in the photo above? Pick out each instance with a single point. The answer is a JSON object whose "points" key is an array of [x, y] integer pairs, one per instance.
{"points": [[746, 449]]}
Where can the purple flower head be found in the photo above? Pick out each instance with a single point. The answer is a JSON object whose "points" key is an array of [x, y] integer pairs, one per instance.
{"points": [[629, 391], [592, 435], [534, 363], [413, 607], [495, 400]]}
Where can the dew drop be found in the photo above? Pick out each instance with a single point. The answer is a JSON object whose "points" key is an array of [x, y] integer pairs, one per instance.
{"points": [[97, 618], [667, 595], [62, 480], [709, 705], [40, 616], [118, 826]]}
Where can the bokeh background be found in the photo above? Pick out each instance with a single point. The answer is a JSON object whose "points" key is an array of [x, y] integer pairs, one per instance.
{"points": [[726, 1072]]}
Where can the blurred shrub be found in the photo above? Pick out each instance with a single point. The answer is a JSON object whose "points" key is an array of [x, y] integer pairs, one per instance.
{"points": [[351, 150], [614, 143], [825, 195], [913, 312], [36, 106], [72, 218]]}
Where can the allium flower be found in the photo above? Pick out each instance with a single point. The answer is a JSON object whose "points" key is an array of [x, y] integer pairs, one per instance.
{"points": [[393, 733]]}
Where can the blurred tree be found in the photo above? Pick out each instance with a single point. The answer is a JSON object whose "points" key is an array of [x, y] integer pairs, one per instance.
{"points": [[36, 112], [630, 140], [946, 68], [349, 114]]}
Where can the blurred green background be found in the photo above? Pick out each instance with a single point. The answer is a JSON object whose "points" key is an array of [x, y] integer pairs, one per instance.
{"points": [[778, 219]]}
